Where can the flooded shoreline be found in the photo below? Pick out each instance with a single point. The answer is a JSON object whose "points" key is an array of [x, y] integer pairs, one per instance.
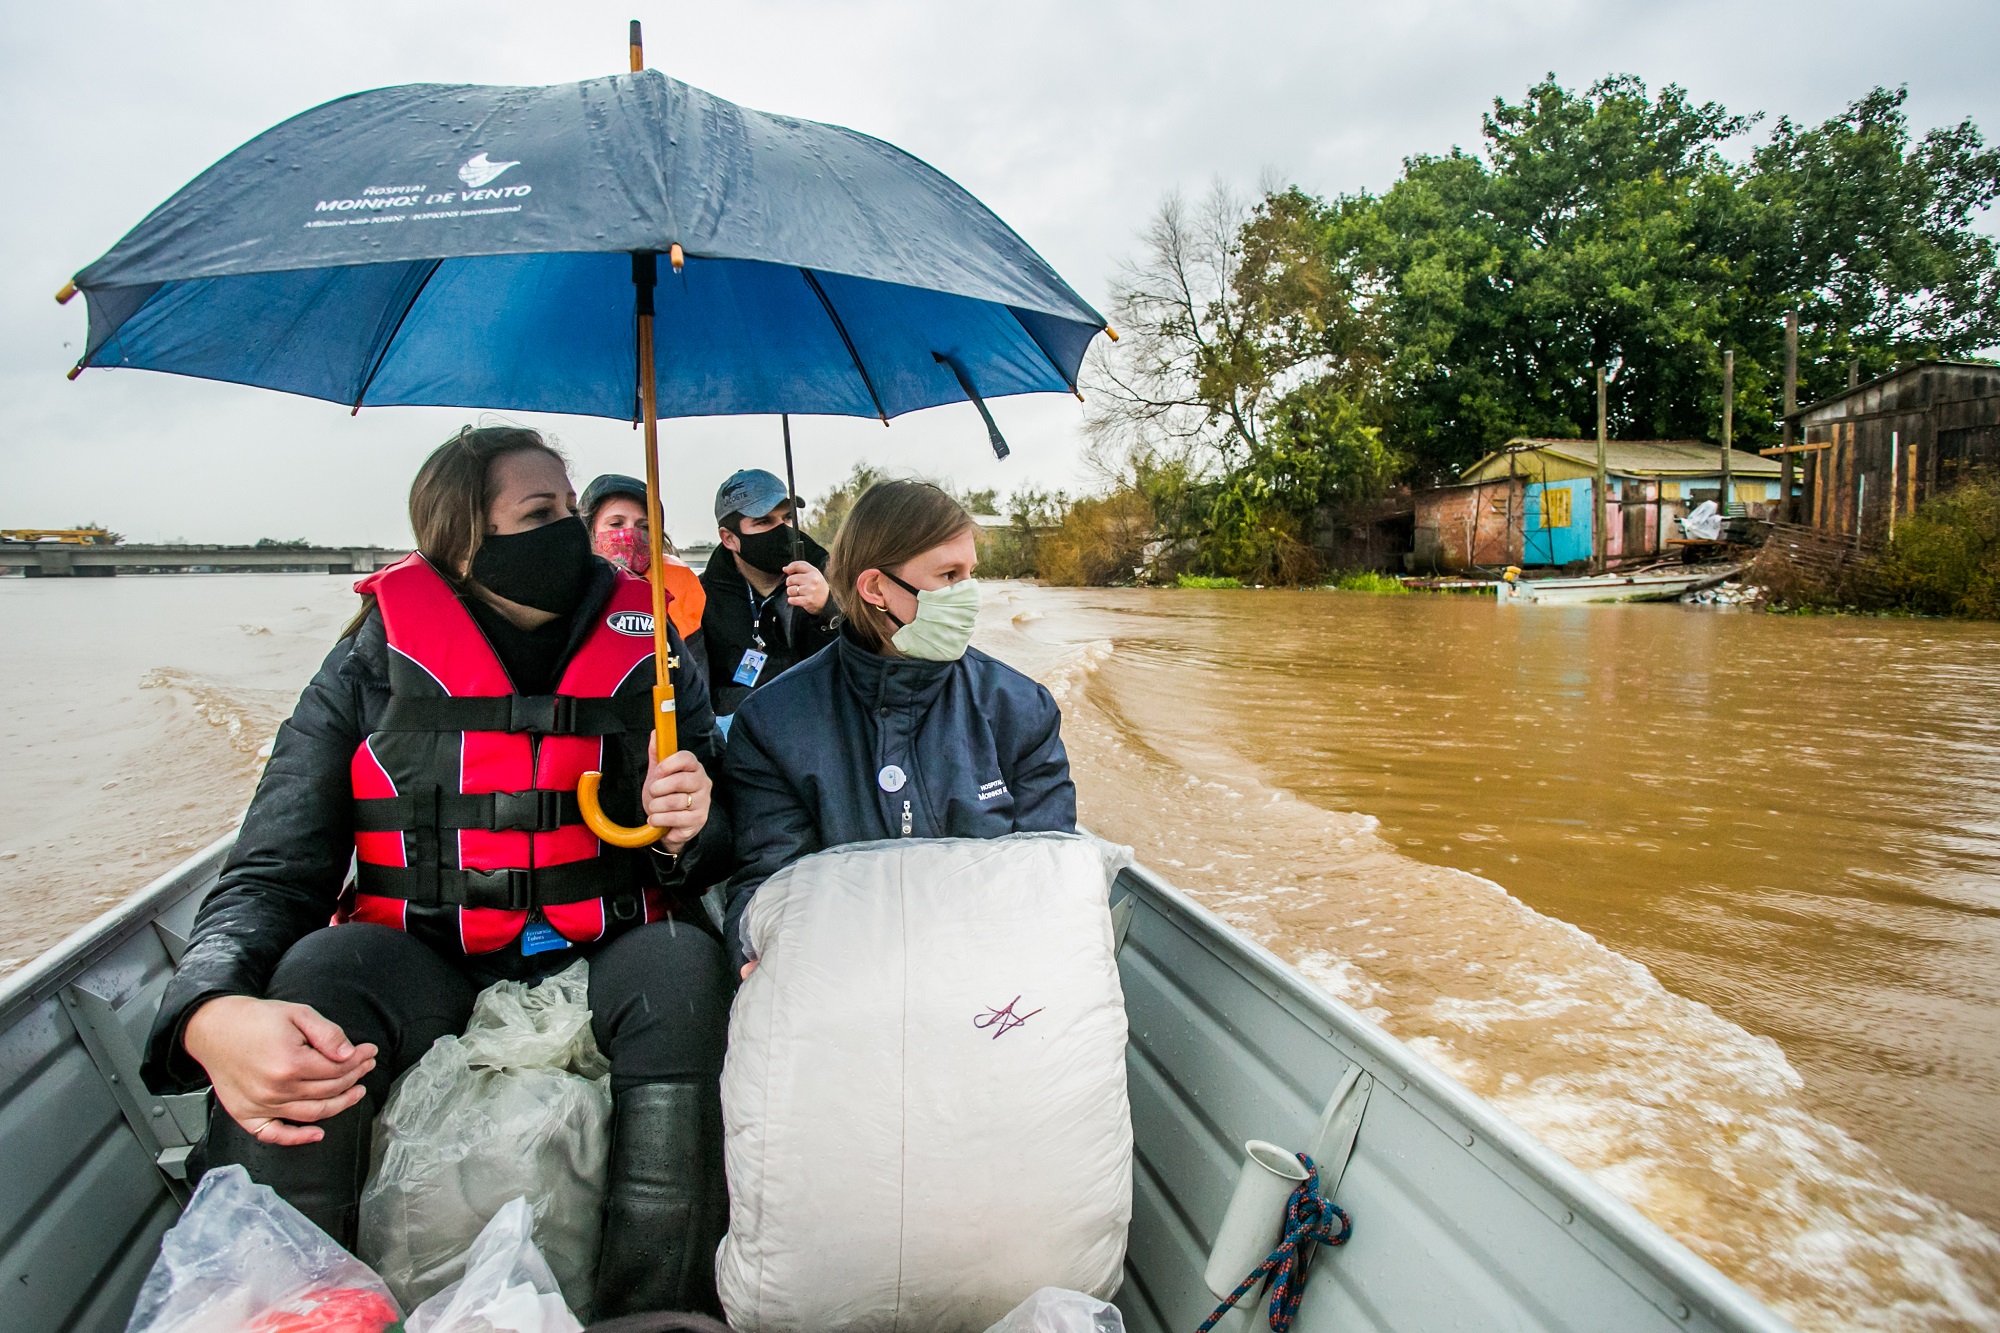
{"points": [[1709, 902]]}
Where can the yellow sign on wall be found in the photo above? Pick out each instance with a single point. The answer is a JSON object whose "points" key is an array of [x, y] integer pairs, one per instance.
{"points": [[1555, 507]]}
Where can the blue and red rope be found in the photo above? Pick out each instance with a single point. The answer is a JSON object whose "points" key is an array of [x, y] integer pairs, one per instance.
{"points": [[1309, 1223]]}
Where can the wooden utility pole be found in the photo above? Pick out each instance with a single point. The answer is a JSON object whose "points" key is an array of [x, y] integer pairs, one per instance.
{"points": [[1853, 372], [1601, 499], [1728, 426], [1791, 406]]}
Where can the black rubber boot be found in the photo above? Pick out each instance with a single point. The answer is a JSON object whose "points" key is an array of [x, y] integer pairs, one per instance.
{"points": [[665, 1205], [322, 1180]]}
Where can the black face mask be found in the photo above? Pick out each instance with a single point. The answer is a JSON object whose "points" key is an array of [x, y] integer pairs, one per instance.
{"points": [[771, 550], [548, 568]]}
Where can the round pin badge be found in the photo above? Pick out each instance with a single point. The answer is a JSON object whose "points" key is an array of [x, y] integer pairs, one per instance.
{"points": [[891, 778]]}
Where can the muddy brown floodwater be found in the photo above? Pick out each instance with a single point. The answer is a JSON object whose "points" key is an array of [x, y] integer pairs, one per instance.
{"points": [[1708, 901]]}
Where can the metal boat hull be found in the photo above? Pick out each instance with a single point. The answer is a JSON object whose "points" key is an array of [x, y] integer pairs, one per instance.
{"points": [[1607, 588], [1462, 1219]]}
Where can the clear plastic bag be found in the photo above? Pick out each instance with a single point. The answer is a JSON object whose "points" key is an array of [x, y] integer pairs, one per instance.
{"points": [[1704, 522], [507, 1287], [1056, 1310], [518, 1107], [242, 1260]]}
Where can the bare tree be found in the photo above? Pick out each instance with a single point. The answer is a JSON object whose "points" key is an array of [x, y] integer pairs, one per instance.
{"points": [[1158, 388], [1229, 309]]}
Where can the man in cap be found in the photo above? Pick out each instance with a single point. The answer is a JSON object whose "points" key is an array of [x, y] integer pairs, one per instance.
{"points": [[614, 509], [768, 608]]}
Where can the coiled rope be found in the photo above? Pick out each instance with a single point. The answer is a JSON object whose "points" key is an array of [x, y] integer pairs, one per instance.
{"points": [[1309, 1223]]}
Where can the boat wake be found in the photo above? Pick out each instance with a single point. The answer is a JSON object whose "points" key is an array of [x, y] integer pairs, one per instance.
{"points": [[1697, 1122], [243, 719]]}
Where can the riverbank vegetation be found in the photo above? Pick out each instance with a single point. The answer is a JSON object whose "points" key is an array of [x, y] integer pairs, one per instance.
{"points": [[1286, 362], [1943, 560]]}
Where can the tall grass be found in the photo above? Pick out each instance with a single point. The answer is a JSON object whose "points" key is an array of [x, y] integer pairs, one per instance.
{"points": [[1367, 580]]}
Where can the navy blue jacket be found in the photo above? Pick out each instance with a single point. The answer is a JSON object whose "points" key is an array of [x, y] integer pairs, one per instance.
{"points": [[975, 748]]}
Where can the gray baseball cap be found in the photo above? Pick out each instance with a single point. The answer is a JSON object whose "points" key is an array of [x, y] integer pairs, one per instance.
{"points": [[752, 493], [608, 485]]}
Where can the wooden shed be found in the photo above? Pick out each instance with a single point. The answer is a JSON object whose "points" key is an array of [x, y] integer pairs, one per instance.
{"points": [[1877, 451], [1532, 503]]}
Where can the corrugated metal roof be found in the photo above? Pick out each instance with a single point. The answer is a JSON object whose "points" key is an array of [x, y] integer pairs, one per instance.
{"points": [[1644, 457]]}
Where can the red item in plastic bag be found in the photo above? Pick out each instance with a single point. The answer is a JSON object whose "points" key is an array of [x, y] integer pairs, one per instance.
{"points": [[329, 1310]]}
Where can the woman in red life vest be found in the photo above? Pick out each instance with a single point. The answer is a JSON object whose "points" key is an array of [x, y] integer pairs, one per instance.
{"points": [[415, 837]]}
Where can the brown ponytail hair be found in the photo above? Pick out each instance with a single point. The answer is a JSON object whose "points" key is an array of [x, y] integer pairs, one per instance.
{"points": [[449, 498], [891, 524]]}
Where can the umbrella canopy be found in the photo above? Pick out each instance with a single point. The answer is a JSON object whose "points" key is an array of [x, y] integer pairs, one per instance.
{"points": [[499, 248], [470, 246]]}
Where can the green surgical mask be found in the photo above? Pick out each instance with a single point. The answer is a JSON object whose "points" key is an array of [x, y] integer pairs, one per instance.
{"points": [[942, 630]]}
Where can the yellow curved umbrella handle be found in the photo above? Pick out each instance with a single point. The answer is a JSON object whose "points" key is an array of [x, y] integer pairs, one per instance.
{"points": [[645, 835], [666, 741]]}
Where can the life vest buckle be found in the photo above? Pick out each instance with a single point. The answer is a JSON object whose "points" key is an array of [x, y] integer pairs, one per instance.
{"points": [[531, 811], [546, 714], [502, 890]]}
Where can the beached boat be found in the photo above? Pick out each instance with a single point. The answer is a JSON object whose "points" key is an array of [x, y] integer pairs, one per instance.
{"points": [[1653, 585], [1462, 1220]]}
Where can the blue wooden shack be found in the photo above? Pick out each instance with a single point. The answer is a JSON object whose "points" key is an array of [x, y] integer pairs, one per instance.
{"points": [[1535, 496]]}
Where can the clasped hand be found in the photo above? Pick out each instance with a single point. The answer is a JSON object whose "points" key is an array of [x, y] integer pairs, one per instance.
{"points": [[676, 796], [805, 587]]}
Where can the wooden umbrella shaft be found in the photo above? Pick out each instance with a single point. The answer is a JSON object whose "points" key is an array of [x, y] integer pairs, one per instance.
{"points": [[664, 729]]}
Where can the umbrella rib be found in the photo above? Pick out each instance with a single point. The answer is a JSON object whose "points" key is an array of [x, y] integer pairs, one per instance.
{"points": [[826, 303], [1047, 355], [390, 341]]}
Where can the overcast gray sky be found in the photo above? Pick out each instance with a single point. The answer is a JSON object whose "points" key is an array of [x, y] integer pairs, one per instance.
{"points": [[1069, 120]]}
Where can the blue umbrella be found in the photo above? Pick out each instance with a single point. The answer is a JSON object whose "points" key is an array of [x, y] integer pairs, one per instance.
{"points": [[500, 247]]}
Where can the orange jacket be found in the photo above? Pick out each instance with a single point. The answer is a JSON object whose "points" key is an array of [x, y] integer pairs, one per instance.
{"points": [[690, 599]]}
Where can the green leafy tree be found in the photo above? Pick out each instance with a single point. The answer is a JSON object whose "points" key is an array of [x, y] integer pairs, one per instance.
{"points": [[1872, 238], [831, 509], [1598, 229], [1608, 228], [1286, 358]]}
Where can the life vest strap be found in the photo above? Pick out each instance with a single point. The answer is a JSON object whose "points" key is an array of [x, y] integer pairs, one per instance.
{"points": [[503, 890], [535, 811], [540, 714]]}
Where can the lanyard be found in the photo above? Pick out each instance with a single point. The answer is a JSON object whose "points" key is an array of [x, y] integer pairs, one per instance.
{"points": [[756, 615]]}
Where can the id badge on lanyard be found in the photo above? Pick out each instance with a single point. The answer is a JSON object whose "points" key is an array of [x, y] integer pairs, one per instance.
{"points": [[754, 658], [749, 668]]}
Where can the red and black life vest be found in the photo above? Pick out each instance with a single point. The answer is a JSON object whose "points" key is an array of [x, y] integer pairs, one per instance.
{"points": [[465, 815]]}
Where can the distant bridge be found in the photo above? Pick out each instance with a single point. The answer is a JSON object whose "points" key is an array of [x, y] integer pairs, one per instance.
{"points": [[41, 560]]}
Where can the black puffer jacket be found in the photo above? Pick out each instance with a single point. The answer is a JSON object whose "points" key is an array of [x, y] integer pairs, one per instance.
{"points": [[790, 635], [851, 746], [284, 877]]}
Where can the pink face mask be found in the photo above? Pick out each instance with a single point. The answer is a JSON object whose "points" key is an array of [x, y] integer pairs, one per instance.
{"points": [[625, 548]]}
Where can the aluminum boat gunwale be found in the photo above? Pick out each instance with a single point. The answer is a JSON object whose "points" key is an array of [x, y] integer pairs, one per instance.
{"points": [[1462, 1219]]}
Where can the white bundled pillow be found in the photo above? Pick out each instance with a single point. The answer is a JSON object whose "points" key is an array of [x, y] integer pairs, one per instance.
{"points": [[925, 1088]]}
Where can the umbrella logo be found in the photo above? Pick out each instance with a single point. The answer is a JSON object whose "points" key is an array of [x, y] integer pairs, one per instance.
{"points": [[639, 624], [479, 170]]}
